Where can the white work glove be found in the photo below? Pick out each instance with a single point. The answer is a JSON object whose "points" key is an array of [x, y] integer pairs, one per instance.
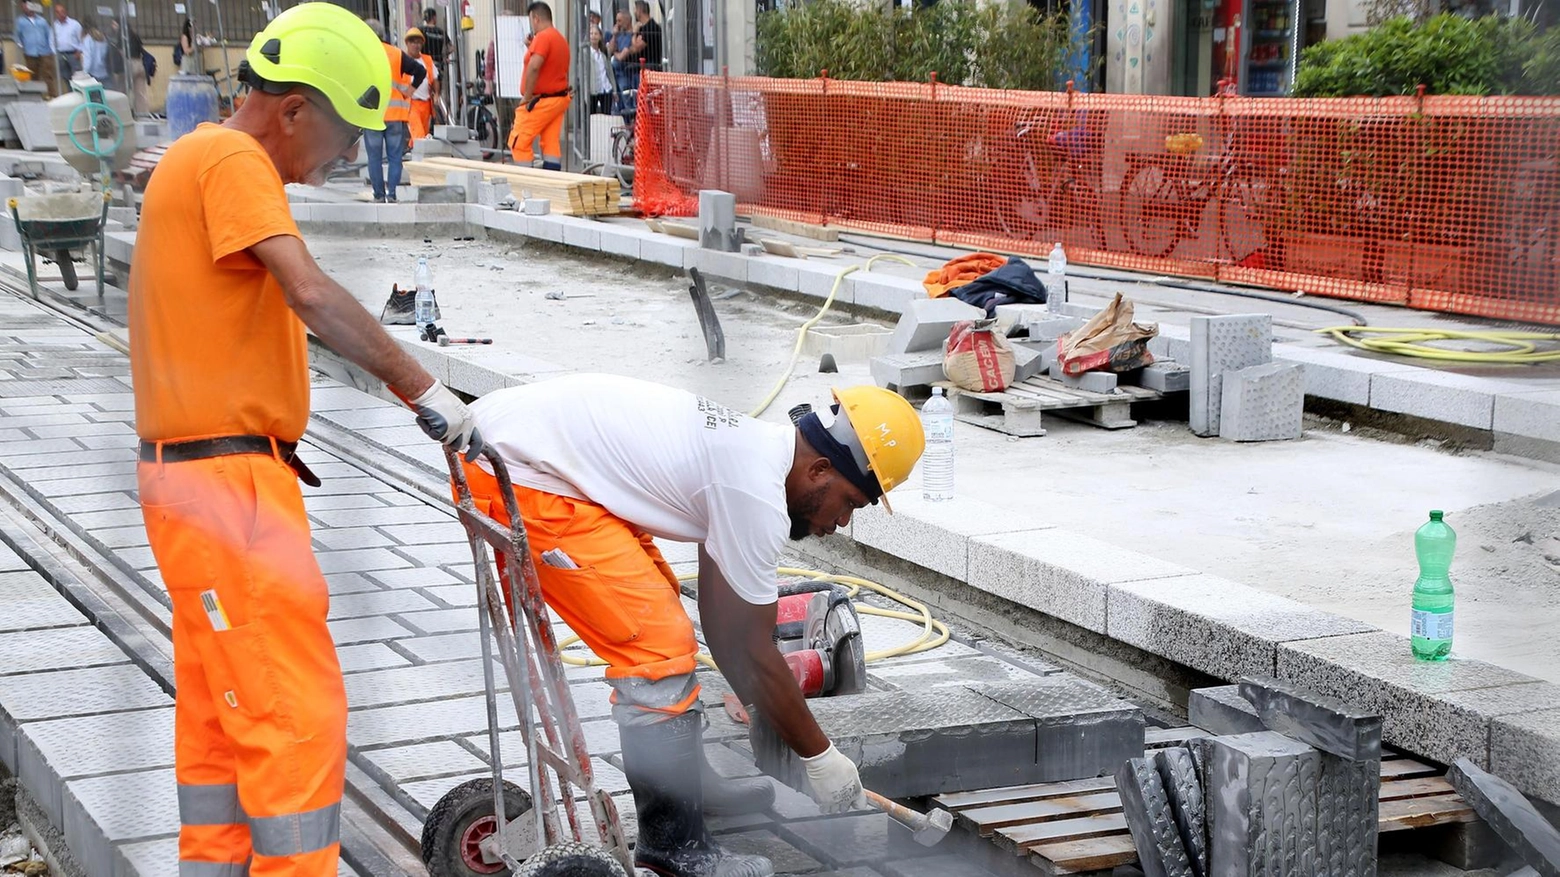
{"points": [[446, 419], [835, 782]]}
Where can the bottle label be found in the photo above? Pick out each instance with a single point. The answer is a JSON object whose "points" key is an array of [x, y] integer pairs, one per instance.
{"points": [[938, 429], [1432, 625]]}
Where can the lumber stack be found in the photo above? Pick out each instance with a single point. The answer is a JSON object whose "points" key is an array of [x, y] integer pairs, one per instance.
{"points": [[570, 194]]}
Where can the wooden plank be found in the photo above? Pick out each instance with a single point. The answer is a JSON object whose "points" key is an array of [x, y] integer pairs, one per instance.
{"points": [[800, 229], [1404, 768], [1080, 856], [1421, 787], [1021, 838], [1423, 812], [1019, 794], [561, 177], [1161, 738], [985, 820]]}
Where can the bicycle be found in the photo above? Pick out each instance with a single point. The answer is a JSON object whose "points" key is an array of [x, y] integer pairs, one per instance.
{"points": [[477, 117], [621, 152], [1061, 170]]}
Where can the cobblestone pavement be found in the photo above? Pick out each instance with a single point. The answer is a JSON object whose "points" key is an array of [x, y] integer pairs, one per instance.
{"points": [[402, 613]]}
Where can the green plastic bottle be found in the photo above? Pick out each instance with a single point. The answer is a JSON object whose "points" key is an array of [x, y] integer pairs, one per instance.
{"points": [[1433, 596]]}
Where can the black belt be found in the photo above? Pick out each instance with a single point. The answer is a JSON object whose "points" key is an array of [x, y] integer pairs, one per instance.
{"points": [[227, 446], [533, 102]]}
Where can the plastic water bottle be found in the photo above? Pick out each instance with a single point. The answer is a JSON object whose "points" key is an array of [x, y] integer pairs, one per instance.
{"points": [[423, 305], [1433, 596], [937, 460], [1056, 276]]}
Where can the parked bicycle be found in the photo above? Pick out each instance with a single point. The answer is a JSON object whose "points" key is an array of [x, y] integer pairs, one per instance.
{"points": [[478, 118], [1059, 174]]}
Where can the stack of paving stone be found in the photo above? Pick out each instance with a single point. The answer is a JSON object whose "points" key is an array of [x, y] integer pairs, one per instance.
{"points": [[1299, 798], [1237, 391]]}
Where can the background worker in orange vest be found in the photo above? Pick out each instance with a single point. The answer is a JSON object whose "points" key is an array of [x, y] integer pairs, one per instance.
{"points": [[544, 92], [406, 73], [221, 289], [426, 93]]}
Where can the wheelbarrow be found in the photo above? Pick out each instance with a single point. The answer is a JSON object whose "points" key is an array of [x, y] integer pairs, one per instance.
{"points": [[56, 224], [465, 834]]}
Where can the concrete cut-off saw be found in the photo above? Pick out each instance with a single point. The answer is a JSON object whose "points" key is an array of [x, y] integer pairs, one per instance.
{"points": [[819, 633]]}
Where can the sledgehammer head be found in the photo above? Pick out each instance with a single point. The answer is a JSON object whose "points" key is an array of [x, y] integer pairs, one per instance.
{"points": [[938, 824]]}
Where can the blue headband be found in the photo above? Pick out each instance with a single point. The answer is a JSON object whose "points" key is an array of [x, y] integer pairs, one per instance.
{"points": [[838, 455]]}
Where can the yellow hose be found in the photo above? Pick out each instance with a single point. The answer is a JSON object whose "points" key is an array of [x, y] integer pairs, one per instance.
{"points": [[801, 334], [1415, 342], [933, 632]]}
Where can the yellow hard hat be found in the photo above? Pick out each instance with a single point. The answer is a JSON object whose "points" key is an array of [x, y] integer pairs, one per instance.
{"points": [[326, 47], [412, 32], [889, 430]]}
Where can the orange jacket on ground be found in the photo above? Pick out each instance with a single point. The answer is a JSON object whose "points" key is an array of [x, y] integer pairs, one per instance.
{"points": [[959, 271]]}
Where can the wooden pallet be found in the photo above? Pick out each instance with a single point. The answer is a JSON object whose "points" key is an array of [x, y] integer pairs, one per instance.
{"points": [[1076, 827], [1017, 410]]}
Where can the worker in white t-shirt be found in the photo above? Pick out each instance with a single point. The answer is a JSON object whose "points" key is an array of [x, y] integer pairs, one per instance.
{"points": [[601, 465]]}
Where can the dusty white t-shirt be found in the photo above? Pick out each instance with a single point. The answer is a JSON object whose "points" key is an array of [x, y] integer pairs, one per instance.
{"points": [[667, 461]]}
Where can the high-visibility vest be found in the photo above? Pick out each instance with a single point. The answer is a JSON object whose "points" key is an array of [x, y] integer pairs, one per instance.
{"points": [[432, 80], [400, 107]]}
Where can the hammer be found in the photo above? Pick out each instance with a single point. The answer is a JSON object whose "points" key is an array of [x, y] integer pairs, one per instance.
{"points": [[927, 828], [445, 340]]}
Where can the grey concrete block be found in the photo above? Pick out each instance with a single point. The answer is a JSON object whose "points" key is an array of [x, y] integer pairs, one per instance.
{"points": [[1146, 806], [1091, 382], [1062, 574], [1261, 795], [935, 535], [900, 371], [1081, 730], [1218, 345], [618, 241], [1348, 805], [1525, 749], [884, 292], [925, 324], [1178, 772], [1221, 710], [1167, 377], [1262, 403], [785, 857], [451, 133], [1013, 318], [1027, 363], [864, 838], [1329, 724], [1377, 672], [1444, 396], [909, 744], [56, 751], [581, 233], [1220, 627], [718, 221], [720, 266], [662, 250], [1052, 326], [56, 649], [774, 271], [1511, 815], [959, 672], [102, 812], [1531, 415]]}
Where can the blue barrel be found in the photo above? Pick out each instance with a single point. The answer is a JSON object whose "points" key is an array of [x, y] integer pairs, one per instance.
{"points": [[192, 99]]}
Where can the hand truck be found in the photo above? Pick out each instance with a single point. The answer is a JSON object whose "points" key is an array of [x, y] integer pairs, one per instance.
{"points": [[463, 837]]}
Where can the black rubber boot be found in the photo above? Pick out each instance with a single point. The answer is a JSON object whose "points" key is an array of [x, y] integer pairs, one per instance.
{"points": [[737, 796], [663, 765]]}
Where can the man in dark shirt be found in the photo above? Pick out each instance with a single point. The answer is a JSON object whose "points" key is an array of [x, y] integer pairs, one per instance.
{"points": [[647, 38], [435, 40]]}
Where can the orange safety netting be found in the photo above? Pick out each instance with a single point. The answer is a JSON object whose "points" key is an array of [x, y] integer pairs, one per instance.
{"points": [[1442, 203]]}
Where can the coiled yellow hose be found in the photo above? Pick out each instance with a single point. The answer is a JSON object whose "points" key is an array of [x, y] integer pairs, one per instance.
{"points": [[1415, 342]]}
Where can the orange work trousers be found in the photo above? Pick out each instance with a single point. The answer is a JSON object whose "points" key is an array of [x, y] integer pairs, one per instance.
{"points": [[623, 601], [546, 122], [260, 719], [422, 118]]}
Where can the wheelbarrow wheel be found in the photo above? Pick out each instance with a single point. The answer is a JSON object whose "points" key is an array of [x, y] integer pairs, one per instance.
{"points": [[453, 835], [67, 269], [571, 859]]}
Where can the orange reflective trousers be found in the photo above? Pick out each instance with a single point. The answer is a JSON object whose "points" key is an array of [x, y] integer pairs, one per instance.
{"points": [[260, 741], [422, 118], [624, 601], [546, 122]]}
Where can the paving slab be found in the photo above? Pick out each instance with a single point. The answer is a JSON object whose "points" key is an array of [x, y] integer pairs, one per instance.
{"points": [[1329, 724], [1511, 815], [424, 761], [1261, 804], [1263, 403], [425, 722], [1443, 396], [101, 813], [1223, 628], [935, 535], [369, 656], [958, 672], [1146, 806], [65, 749], [413, 684], [862, 839], [785, 857], [1525, 749], [56, 649], [936, 866], [1188, 806], [1218, 345], [1081, 730]]}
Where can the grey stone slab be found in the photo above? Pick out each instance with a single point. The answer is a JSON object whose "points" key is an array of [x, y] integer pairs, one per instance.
{"points": [[442, 620], [1377, 672], [1512, 816], [426, 793], [339, 398], [1348, 807], [427, 534], [360, 560], [852, 840], [1090, 382], [729, 762], [1444, 396], [1183, 789], [1146, 806], [1081, 730], [418, 577], [1223, 628], [901, 371], [935, 535], [1222, 344], [1329, 724], [111, 518], [350, 583], [10, 561], [58, 487], [455, 554], [149, 858], [1532, 415], [1167, 377], [79, 430], [32, 604], [93, 502], [369, 656], [362, 630], [56, 694], [66, 460], [349, 538], [914, 743], [1525, 749], [377, 603], [925, 323], [410, 684], [1060, 573], [444, 647], [332, 502], [56, 649], [65, 749], [1263, 403], [601, 738], [425, 722], [424, 760], [786, 858], [121, 537], [454, 595], [379, 517], [1261, 795], [102, 812], [1221, 710], [923, 675], [1336, 375]]}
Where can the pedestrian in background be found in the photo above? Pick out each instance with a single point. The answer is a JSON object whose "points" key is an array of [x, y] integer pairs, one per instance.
{"points": [[35, 37], [544, 92], [622, 45], [95, 54], [601, 80], [426, 94], [67, 44], [184, 52], [387, 148]]}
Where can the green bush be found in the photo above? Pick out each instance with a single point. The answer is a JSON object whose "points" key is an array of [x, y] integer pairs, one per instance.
{"points": [[1448, 54], [993, 45]]}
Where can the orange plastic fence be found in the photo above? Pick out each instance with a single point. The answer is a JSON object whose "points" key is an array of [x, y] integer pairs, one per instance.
{"points": [[1442, 203]]}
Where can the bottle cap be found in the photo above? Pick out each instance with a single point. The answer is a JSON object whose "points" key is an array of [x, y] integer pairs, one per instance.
{"points": [[1436, 515]]}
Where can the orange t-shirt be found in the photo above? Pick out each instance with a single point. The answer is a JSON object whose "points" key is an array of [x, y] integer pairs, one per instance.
{"points": [[554, 52], [214, 348]]}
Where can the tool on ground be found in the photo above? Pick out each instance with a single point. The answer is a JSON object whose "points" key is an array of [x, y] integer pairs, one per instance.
{"points": [[709, 324], [928, 829], [431, 333], [461, 835], [445, 340]]}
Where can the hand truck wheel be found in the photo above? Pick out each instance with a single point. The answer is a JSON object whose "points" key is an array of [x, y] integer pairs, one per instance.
{"points": [[571, 859], [453, 835]]}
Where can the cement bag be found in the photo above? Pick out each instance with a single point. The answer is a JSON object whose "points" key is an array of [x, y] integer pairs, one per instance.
{"points": [[978, 357], [1109, 342]]}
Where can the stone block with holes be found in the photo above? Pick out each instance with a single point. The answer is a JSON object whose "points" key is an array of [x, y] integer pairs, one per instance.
{"points": [[1263, 403]]}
